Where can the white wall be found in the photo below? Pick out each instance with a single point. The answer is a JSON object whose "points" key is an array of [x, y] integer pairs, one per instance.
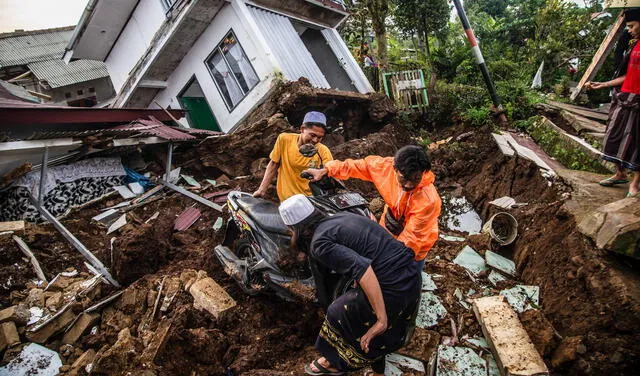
{"points": [[134, 40], [194, 64]]}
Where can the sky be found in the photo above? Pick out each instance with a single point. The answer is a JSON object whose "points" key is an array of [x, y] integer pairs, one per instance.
{"points": [[39, 14]]}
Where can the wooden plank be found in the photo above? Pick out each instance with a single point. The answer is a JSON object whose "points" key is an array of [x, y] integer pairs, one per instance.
{"points": [[586, 112], [601, 55], [510, 344], [503, 145], [581, 123], [12, 226]]}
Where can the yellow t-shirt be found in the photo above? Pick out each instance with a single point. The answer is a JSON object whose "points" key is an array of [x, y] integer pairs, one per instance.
{"points": [[292, 163]]}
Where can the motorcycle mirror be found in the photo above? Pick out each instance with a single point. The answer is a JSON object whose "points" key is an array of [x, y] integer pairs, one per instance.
{"points": [[308, 150]]}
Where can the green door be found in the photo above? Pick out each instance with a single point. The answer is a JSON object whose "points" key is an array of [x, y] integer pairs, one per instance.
{"points": [[199, 113]]}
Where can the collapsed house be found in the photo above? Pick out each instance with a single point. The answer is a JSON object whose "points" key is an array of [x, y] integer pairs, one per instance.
{"points": [[32, 59], [217, 59]]}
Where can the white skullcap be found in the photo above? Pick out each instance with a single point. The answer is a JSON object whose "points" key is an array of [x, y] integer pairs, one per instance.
{"points": [[295, 209]]}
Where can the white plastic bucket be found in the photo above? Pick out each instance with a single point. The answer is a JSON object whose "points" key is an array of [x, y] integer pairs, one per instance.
{"points": [[502, 227]]}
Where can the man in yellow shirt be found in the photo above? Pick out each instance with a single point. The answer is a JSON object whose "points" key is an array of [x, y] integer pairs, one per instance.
{"points": [[288, 162]]}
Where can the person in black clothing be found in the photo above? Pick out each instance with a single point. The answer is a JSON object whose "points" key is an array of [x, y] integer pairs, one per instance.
{"points": [[366, 323]]}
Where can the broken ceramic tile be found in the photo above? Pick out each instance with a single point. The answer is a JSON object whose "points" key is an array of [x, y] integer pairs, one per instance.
{"points": [[450, 238], [33, 360], [36, 315], [478, 341], [427, 283], [522, 298], [431, 310], [495, 277], [459, 361], [471, 260], [117, 224], [174, 176], [504, 202], [458, 294], [211, 181], [404, 361], [191, 181], [391, 370], [501, 263]]}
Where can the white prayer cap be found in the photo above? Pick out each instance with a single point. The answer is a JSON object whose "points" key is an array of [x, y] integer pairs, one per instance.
{"points": [[295, 209]]}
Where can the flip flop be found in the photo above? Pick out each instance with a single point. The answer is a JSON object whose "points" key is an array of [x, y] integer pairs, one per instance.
{"points": [[629, 194], [322, 370], [609, 182]]}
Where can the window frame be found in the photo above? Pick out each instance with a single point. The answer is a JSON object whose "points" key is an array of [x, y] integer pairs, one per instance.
{"points": [[230, 106]]}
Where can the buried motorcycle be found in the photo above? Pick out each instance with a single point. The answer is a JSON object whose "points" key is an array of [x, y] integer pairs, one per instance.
{"points": [[257, 253]]}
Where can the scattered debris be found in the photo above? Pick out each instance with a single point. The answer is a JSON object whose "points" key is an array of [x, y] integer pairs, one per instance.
{"points": [[509, 341], [117, 224], [136, 188], [459, 361], [33, 360], [125, 192], [217, 225], [187, 218], [153, 216], [500, 263], [32, 258], [191, 181], [83, 323], [17, 313], [522, 298], [437, 144], [503, 144], [107, 216], [430, 311], [458, 294], [495, 277], [469, 259], [504, 202], [450, 238], [478, 342], [41, 332], [8, 335]]}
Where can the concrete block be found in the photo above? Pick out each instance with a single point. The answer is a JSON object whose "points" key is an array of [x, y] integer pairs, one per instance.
{"points": [[208, 295], [18, 314], [81, 326], [81, 363], [8, 335], [41, 333], [510, 344]]}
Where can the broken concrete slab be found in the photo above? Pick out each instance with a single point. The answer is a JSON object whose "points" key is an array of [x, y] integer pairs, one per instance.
{"points": [[209, 296], [500, 263], [522, 298], [404, 361], [11, 226], [42, 332], [17, 313], [471, 260], [582, 124], [84, 322], [504, 146], [8, 335], [528, 154], [513, 350], [427, 283], [459, 361], [431, 310], [614, 227], [33, 360]]}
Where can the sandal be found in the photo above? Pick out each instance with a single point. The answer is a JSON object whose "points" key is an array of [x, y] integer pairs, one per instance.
{"points": [[610, 182], [321, 370], [629, 194]]}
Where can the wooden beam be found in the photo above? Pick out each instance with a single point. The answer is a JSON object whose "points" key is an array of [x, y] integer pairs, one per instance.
{"points": [[39, 95], [601, 55], [23, 75], [586, 112], [510, 344]]}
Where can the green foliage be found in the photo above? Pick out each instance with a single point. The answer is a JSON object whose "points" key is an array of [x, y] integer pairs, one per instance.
{"points": [[553, 144], [476, 116]]}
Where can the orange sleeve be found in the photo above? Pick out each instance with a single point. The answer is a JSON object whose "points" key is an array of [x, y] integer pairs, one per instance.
{"points": [[353, 168], [421, 229], [325, 153], [276, 153]]}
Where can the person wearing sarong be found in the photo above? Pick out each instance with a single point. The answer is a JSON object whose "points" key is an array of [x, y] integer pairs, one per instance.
{"points": [[373, 319], [622, 137]]}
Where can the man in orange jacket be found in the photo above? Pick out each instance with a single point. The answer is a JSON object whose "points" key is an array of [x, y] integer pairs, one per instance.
{"points": [[405, 182]]}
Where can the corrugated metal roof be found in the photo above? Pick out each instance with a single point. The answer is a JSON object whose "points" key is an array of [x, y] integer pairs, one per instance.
{"points": [[292, 55], [27, 47], [58, 74]]}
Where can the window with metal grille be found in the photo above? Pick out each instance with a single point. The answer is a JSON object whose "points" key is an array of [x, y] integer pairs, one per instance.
{"points": [[168, 4], [231, 70]]}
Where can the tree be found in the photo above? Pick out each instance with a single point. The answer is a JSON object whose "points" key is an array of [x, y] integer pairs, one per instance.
{"points": [[423, 17], [379, 10]]}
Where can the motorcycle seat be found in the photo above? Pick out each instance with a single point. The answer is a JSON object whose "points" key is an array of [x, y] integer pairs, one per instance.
{"points": [[265, 213]]}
